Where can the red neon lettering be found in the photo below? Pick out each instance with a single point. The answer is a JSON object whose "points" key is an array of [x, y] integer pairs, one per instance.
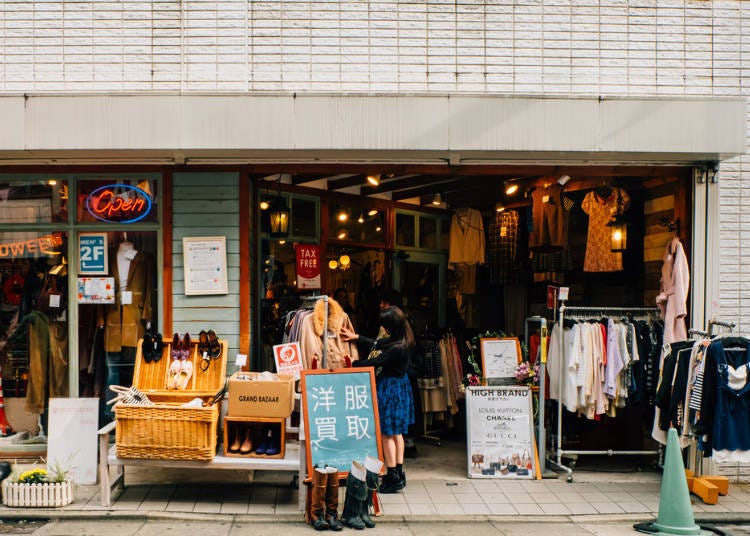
{"points": [[109, 205]]}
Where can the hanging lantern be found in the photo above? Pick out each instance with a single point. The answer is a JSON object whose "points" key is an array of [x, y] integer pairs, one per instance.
{"points": [[618, 228], [619, 234], [279, 219]]}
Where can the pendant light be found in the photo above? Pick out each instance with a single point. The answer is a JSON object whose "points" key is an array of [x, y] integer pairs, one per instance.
{"points": [[618, 228], [279, 216]]}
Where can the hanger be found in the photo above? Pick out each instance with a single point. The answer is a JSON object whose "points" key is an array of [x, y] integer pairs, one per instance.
{"points": [[603, 191]]}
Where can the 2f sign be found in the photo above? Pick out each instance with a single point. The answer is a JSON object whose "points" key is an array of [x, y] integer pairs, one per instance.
{"points": [[92, 254]]}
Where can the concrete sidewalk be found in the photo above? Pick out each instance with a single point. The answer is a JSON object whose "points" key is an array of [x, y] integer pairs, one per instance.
{"points": [[437, 488]]}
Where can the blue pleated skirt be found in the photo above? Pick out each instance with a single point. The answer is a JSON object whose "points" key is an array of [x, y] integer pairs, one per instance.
{"points": [[395, 404]]}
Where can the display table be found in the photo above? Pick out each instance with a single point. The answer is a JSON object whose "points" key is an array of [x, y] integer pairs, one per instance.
{"points": [[293, 460]]}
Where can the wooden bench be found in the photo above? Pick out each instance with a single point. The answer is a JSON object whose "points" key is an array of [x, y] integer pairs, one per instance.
{"points": [[293, 460]]}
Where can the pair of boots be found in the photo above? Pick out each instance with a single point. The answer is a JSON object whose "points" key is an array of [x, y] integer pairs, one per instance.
{"points": [[325, 499], [394, 480], [360, 485]]}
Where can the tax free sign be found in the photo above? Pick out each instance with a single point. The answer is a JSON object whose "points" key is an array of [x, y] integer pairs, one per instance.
{"points": [[92, 254]]}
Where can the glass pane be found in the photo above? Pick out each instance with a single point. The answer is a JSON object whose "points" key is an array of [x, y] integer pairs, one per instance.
{"points": [[356, 224], [428, 233], [116, 303], [405, 234], [278, 296], [419, 287], [41, 201], [34, 317], [117, 201], [304, 218]]}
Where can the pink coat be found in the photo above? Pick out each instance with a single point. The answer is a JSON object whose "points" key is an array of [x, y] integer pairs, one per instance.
{"points": [[672, 300]]}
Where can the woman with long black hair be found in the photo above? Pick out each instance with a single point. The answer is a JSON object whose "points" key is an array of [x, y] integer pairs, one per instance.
{"points": [[390, 356]]}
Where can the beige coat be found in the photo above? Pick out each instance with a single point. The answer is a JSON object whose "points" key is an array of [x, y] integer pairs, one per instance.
{"points": [[122, 323], [675, 282], [311, 341]]}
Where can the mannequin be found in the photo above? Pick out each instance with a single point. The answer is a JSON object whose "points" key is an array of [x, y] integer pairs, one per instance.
{"points": [[123, 322]]}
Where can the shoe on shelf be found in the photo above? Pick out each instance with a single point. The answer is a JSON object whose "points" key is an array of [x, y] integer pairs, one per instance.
{"points": [[147, 347], [274, 443], [187, 347], [235, 446], [247, 444], [172, 374], [214, 346], [157, 348], [176, 348], [183, 378], [264, 445]]}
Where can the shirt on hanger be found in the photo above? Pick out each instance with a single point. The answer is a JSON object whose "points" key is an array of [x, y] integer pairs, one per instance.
{"points": [[599, 257]]}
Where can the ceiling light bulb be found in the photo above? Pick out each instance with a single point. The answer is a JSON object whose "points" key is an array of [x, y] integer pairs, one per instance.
{"points": [[374, 179], [342, 235], [499, 207], [436, 200], [332, 264], [264, 205], [511, 189], [372, 212], [343, 216], [344, 260], [52, 182], [378, 229], [361, 218], [282, 242]]}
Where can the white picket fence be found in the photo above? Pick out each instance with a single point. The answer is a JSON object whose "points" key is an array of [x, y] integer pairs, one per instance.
{"points": [[47, 494]]}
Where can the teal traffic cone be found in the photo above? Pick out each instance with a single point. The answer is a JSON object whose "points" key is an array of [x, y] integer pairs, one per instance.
{"points": [[675, 513]]}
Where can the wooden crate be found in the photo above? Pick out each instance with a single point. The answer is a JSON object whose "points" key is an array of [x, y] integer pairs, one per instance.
{"points": [[166, 430], [256, 425]]}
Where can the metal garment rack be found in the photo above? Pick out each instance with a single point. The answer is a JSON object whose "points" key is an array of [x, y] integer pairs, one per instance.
{"points": [[588, 312]]}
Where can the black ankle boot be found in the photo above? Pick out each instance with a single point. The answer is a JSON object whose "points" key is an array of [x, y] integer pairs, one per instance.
{"points": [[392, 482]]}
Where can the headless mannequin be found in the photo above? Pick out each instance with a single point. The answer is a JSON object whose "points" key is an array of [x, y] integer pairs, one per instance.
{"points": [[120, 364]]}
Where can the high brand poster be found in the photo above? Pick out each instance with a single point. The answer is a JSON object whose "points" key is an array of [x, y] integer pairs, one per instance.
{"points": [[308, 266]]}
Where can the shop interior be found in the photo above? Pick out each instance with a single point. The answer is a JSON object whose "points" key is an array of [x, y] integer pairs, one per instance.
{"points": [[633, 212]]}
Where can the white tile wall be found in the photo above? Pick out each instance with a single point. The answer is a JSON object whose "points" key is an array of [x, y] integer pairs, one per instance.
{"points": [[561, 47]]}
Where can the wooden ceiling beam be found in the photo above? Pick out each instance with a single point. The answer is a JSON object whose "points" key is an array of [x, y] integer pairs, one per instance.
{"points": [[303, 178], [353, 180]]}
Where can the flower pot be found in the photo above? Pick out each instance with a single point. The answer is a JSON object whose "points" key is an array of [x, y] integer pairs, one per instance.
{"points": [[44, 495]]}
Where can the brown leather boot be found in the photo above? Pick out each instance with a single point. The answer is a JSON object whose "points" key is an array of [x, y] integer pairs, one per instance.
{"points": [[332, 499], [318, 503]]}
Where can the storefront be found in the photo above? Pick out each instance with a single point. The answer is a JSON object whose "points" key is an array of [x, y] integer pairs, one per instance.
{"points": [[243, 185]]}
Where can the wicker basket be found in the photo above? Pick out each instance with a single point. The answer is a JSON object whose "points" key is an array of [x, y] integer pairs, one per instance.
{"points": [[166, 430]]}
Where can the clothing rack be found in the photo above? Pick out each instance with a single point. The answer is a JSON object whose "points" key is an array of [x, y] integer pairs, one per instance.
{"points": [[589, 312], [729, 325], [315, 298]]}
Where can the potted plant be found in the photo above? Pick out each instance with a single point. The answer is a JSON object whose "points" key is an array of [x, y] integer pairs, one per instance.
{"points": [[38, 488]]}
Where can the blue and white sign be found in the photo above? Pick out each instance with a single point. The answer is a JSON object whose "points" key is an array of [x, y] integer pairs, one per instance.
{"points": [[341, 417], [92, 254]]}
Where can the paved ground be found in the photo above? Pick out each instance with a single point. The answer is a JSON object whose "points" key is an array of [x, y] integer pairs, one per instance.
{"points": [[437, 490]]}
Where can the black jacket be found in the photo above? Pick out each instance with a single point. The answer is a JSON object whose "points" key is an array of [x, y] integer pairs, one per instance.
{"points": [[393, 359]]}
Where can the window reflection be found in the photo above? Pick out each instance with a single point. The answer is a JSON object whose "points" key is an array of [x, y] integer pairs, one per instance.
{"points": [[38, 201]]}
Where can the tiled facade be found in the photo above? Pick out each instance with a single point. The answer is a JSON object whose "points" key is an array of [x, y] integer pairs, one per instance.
{"points": [[537, 47]]}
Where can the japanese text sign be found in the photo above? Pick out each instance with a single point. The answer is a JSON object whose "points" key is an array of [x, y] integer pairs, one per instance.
{"points": [[288, 359], [341, 417], [308, 266]]}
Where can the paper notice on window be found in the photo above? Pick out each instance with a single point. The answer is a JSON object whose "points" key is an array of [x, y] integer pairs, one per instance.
{"points": [[205, 263], [96, 290]]}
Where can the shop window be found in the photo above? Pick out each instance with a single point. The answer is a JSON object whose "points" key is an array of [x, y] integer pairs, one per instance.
{"points": [[355, 223], [428, 232], [304, 218], [117, 303], [406, 230], [34, 316], [117, 201], [34, 201]]}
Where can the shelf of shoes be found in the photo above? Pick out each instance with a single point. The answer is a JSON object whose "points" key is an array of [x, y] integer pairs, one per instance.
{"points": [[255, 437]]}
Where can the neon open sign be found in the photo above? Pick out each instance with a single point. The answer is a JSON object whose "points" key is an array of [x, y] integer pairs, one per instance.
{"points": [[118, 203]]}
